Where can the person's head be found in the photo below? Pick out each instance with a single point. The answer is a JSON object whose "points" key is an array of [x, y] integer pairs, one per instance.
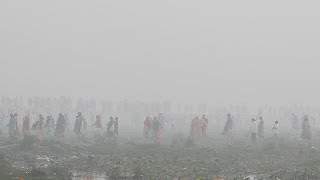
{"points": [[15, 115], [111, 118], [98, 117], [11, 115], [260, 118], [116, 118], [228, 114], [276, 122], [79, 114], [252, 120], [41, 117], [203, 116]]}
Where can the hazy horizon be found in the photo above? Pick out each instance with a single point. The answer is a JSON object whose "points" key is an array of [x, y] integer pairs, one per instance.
{"points": [[249, 52]]}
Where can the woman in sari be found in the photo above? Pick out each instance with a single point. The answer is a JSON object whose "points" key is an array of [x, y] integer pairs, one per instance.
{"points": [[26, 126], [40, 132], [49, 126]]}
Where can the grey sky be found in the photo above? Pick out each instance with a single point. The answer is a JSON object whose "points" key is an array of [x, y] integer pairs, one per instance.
{"points": [[213, 51]]}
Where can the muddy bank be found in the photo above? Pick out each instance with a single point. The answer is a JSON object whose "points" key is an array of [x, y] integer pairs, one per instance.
{"points": [[170, 159]]}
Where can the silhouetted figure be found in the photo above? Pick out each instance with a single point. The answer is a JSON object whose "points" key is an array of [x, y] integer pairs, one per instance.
{"points": [[261, 128], [155, 128], [78, 124], [40, 132], [26, 126], [275, 131], [12, 125], [60, 125], [49, 126], [228, 127], [147, 127], [253, 131], [98, 126], [204, 126], [116, 126], [110, 124], [306, 129]]}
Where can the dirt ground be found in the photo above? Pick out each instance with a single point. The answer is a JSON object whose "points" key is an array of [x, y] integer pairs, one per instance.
{"points": [[215, 157]]}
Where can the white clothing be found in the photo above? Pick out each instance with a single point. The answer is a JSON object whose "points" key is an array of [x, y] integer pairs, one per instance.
{"points": [[253, 128], [275, 129]]}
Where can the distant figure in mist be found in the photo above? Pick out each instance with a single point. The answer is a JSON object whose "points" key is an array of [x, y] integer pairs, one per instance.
{"points": [[40, 132], [199, 127], [26, 126], [110, 132], [147, 127], [194, 129], [204, 126], [97, 125], [306, 129], [49, 126], [261, 127], [17, 127], [155, 128], [228, 127], [253, 131], [13, 128], [116, 126], [275, 131], [60, 125], [78, 124]]}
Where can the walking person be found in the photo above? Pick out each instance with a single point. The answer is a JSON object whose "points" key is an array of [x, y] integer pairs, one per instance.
{"points": [[261, 127], [253, 131], [116, 126], [306, 129], [275, 132]]}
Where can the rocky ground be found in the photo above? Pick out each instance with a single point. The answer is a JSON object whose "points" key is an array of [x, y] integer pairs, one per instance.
{"points": [[175, 157]]}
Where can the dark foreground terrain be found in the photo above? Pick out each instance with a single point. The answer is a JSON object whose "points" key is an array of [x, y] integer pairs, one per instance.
{"points": [[216, 157]]}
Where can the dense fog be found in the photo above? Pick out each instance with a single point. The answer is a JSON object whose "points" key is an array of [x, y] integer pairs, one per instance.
{"points": [[217, 52], [159, 90]]}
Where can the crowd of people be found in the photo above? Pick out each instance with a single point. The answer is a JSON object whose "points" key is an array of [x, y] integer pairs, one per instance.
{"points": [[154, 127], [199, 127], [42, 128], [46, 128], [46, 118], [257, 129]]}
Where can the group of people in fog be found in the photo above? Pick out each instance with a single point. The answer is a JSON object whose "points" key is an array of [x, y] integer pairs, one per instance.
{"points": [[257, 129], [47, 128], [154, 127], [43, 128], [37, 118], [199, 127]]}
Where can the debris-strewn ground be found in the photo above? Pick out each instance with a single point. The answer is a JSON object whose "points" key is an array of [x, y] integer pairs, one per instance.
{"points": [[216, 157]]}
